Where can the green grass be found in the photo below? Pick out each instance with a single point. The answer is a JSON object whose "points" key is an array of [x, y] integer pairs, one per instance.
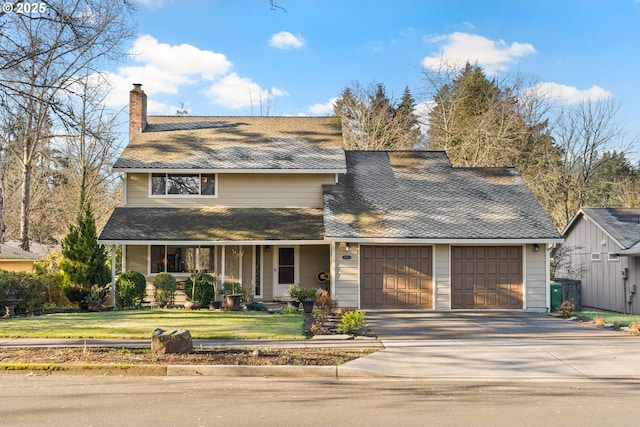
{"points": [[139, 324], [609, 317]]}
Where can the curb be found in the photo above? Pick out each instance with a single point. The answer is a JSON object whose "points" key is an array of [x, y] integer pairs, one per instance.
{"points": [[331, 371]]}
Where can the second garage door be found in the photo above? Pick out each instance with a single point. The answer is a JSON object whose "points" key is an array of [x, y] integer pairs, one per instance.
{"points": [[488, 277], [396, 277]]}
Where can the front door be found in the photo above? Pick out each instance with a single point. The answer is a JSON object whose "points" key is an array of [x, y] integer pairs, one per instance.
{"points": [[286, 271]]}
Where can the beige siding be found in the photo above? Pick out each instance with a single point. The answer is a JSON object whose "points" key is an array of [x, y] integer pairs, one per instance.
{"points": [[347, 276], [602, 284], [313, 260], [137, 258], [442, 277], [535, 280], [240, 190]]}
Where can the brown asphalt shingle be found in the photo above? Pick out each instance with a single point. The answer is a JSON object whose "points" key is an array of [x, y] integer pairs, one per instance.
{"points": [[232, 143], [212, 224]]}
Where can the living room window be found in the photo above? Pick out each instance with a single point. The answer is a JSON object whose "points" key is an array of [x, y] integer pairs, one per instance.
{"points": [[183, 184], [181, 259]]}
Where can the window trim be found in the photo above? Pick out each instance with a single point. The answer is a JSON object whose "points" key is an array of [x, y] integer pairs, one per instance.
{"points": [[613, 257], [595, 256], [182, 196]]}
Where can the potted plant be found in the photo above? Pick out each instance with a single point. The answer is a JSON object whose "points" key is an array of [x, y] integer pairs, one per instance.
{"points": [[304, 296], [233, 294], [201, 289]]}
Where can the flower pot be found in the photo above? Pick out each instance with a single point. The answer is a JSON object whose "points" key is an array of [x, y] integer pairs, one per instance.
{"points": [[259, 306], [294, 303], [232, 302], [215, 305], [307, 306]]}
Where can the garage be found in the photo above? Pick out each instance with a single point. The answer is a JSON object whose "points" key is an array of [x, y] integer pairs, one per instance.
{"points": [[396, 277], [486, 277]]}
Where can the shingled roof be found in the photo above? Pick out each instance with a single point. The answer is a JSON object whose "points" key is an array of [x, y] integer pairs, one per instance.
{"points": [[165, 225], [419, 195], [236, 144], [622, 224]]}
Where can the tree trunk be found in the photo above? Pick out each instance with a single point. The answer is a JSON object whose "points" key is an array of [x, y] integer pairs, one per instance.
{"points": [[26, 199]]}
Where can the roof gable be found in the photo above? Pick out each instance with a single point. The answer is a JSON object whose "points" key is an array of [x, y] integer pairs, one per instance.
{"points": [[236, 144], [621, 224], [418, 194]]}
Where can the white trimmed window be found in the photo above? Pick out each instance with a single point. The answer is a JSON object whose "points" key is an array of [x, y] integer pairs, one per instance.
{"points": [[595, 256], [183, 184], [613, 257]]}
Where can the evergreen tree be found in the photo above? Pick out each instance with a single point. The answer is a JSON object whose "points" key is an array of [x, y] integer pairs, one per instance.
{"points": [[84, 261], [371, 121]]}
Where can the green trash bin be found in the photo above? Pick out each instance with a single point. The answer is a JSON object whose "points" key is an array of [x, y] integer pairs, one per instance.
{"points": [[556, 295]]}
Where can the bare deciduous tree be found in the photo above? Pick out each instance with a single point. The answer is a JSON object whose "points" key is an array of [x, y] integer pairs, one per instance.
{"points": [[42, 55]]}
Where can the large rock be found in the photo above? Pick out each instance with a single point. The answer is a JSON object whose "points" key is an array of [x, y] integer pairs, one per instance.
{"points": [[173, 341]]}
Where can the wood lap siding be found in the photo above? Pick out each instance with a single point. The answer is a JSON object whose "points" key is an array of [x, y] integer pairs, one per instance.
{"points": [[240, 190]]}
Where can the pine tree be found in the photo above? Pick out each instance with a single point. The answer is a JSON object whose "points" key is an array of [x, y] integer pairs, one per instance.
{"points": [[84, 261]]}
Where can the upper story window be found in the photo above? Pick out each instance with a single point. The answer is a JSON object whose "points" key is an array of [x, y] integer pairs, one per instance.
{"points": [[183, 184]]}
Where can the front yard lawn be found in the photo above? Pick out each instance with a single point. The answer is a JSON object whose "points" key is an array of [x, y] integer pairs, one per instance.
{"points": [[139, 324]]}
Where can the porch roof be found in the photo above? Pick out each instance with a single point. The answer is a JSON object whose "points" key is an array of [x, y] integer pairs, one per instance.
{"points": [[163, 225]]}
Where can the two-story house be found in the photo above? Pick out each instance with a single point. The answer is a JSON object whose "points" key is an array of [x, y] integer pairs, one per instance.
{"points": [[272, 201]]}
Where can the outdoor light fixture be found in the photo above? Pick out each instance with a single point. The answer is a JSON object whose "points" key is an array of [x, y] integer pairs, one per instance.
{"points": [[536, 248], [267, 248], [346, 248]]}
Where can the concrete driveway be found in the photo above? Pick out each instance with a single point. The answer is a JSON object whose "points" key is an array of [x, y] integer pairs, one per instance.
{"points": [[501, 345]]}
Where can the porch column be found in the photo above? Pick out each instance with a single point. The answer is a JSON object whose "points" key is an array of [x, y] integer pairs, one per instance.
{"points": [[113, 276]]}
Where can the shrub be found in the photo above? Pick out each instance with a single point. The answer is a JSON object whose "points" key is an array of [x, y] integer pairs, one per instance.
{"points": [[165, 289], [566, 308], [324, 302], [131, 289], [289, 309], [352, 321], [201, 287]]}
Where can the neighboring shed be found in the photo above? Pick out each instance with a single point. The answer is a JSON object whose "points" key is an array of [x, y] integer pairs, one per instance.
{"points": [[14, 259], [602, 249]]}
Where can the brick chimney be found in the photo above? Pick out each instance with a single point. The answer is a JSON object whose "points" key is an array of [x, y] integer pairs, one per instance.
{"points": [[137, 110]]}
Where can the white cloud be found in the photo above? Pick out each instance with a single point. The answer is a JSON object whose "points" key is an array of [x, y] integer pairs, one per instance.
{"points": [[323, 109], [181, 60], [234, 91], [568, 95], [286, 40], [459, 48]]}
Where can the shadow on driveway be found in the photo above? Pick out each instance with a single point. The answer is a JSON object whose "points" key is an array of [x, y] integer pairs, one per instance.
{"points": [[475, 325]]}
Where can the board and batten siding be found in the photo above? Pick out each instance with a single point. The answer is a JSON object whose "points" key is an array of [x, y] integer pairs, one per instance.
{"points": [[535, 278], [240, 190], [602, 286], [347, 275], [442, 277]]}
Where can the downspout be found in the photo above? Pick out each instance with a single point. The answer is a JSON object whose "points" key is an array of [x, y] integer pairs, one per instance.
{"points": [[548, 276]]}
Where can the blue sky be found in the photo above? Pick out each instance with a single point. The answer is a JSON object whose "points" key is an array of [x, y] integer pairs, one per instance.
{"points": [[241, 57]]}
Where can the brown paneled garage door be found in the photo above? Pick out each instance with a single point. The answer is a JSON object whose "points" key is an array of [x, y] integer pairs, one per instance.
{"points": [[486, 277], [396, 277]]}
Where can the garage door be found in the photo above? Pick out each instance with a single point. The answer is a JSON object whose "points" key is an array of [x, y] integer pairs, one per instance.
{"points": [[396, 277], [486, 277]]}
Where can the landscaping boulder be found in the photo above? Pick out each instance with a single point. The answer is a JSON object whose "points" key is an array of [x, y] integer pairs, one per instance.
{"points": [[173, 341]]}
